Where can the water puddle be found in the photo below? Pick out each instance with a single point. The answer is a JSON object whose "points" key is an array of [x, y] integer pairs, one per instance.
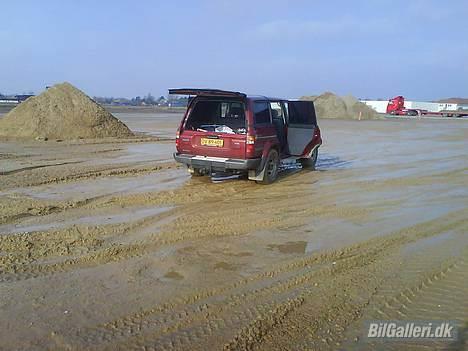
{"points": [[80, 190], [291, 166], [425, 243], [160, 152], [225, 266], [291, 247], [326, 161], [173, 275]]}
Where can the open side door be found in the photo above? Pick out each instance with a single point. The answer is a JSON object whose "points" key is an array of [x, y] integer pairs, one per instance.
{"points": [[301, 125]]}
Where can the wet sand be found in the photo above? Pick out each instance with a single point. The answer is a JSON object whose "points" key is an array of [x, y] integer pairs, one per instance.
{"points": [[111, 245]]}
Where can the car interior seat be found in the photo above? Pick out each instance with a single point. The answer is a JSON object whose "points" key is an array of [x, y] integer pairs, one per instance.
{"points": [[236, 117], [278, 122]]}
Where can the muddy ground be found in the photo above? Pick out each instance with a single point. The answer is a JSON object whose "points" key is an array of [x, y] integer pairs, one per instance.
{"points": [[110, 245]]}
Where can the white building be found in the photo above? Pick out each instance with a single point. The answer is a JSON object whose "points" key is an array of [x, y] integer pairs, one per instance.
{"points": [[8, 101], [378, 105]]}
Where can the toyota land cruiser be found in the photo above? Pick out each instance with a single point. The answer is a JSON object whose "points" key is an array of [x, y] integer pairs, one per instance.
{"points": [[238, 133]]}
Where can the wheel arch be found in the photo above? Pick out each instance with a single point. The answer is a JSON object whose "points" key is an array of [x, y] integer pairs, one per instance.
{"points": [[257, 174]]}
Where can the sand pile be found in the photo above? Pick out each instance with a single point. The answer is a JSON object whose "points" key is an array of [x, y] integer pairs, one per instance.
{"points": [[61, 112], [329, 105]]}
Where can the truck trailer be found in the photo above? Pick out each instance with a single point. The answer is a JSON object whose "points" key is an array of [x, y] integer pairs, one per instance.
{"points": [[396, 106]]}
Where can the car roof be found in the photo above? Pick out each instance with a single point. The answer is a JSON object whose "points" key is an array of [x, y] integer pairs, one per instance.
{"points": [[220, 93]]}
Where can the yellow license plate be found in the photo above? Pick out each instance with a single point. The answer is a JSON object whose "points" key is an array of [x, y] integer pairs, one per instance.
{"points": [[212, 142]]}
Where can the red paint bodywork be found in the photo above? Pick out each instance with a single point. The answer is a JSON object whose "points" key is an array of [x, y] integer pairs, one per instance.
{"points": [[396, 105]]}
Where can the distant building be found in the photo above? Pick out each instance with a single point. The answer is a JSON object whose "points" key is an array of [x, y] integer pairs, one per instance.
{"points": [[8, 100], [176, 101], [23, 97], [379, 106], [14, 99]]}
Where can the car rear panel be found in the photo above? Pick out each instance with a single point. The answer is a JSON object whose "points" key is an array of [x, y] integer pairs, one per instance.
{"points": [[223, 145], [233, 145]]}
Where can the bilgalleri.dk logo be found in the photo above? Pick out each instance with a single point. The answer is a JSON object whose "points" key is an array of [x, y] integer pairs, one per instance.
{"points": [[411, 330]]}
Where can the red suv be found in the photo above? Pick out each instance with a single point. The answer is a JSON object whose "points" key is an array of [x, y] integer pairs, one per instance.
{"points": [[238, 133]]}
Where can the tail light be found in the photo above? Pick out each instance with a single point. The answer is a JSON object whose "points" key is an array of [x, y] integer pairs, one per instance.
{"points": [[250, 145], [317, 132], [177, 137], [250, 139]]}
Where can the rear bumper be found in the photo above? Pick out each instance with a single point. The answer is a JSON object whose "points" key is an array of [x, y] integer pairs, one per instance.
{"points": [[217, 163]]}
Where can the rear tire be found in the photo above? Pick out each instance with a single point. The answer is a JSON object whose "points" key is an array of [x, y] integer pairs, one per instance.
{"points": [[271, 168], [309, 163]]}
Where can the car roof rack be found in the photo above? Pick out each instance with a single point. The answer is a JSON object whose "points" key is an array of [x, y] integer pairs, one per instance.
{"points": [[206, 92]]}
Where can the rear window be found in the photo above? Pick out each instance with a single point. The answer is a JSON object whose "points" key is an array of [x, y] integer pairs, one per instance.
{"points": [[217, 116], [261, 112]]}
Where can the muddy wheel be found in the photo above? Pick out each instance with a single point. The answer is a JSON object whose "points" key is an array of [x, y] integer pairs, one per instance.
{"points": [[271, 168], [309, 163], [196, 172]]}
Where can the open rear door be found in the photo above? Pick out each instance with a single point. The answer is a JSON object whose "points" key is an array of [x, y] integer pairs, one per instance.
{"points": [[206, 92], [301, 126]]}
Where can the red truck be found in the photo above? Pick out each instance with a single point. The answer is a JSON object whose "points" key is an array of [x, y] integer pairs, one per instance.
{"points": [[233, 132], [396, 106]]}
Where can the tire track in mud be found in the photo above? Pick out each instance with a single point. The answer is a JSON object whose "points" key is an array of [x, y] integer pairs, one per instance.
{"points": [[327, 332], [33, 208], [178, 322], [389, 302], [103, 171], [19, 170], [265, 305], [181, 229], [439, 294], [139, 138], [449, 281], [91, 245], [9, 156], [189, 321], [118, 252], [427, 179], [208, 223], [219, 218], [38, 210], [112, 172], [187, 193]]}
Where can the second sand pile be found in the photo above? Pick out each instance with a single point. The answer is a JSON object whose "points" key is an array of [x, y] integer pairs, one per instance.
{"points": [[329, 105], [61, 112]]}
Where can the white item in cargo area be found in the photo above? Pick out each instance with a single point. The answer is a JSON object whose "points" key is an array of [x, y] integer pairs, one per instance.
{"points": [[224, 129]]}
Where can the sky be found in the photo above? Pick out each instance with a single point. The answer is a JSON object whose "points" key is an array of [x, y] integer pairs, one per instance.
{"points": [[370, 49]]}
